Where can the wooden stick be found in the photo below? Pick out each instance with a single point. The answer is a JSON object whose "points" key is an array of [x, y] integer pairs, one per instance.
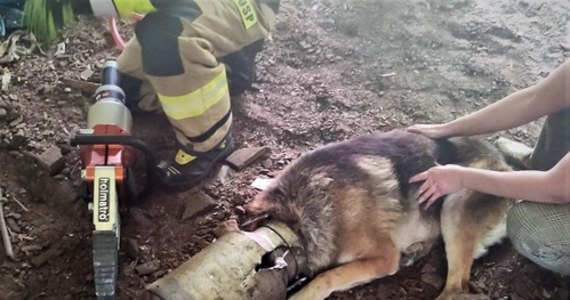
{"points": [[20, 204], [83, 86], [4, 230]]}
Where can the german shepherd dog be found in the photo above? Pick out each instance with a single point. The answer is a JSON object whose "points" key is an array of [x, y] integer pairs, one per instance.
{"points": [[357, 215]]}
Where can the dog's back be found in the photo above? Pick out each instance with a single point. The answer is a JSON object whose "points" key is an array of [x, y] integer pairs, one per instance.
{"points": [[351, 202]]}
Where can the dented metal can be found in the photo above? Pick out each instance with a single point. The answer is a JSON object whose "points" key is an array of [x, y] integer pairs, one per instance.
{"points": [[239, 265]]}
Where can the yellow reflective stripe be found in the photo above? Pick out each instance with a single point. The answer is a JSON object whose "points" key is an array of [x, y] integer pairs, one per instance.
{"points": [[197, 102], [183, 158], [247, 13], [128, 7]]}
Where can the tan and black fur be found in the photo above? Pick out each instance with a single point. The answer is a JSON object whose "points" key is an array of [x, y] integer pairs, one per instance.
{"points": [[357, 215]]}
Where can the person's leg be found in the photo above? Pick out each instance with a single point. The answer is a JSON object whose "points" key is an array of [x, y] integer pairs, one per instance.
{"points": [[553, 142], [541, 232], [181, 53]]}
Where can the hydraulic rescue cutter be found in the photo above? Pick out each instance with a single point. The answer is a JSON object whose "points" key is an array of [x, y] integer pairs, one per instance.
{"points": [[108, 155]]}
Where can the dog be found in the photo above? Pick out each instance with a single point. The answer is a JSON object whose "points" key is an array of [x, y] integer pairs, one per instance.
{"points": [[357, 215]]}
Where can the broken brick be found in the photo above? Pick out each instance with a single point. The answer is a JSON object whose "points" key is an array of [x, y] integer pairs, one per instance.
{"points": [[198, 203], [245, 157], [52, 160]]}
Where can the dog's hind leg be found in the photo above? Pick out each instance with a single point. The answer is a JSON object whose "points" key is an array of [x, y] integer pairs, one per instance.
{"points": [[351, 274], [459, 248]]}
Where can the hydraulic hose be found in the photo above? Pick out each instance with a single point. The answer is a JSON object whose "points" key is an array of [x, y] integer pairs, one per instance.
{"points": [[117, 38]]}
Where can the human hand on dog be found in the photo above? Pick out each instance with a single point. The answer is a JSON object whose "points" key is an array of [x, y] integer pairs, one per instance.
{"points": [[438, 181], [433, 131]]}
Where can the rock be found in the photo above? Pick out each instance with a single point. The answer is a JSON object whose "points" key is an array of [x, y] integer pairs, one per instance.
{"points": [[15, 215], [223, 174], [16, 121], [86, 74], [3, 113], [244, 157], [238, 199], [59, 177], [13, 225], [19, 140], [30, 248], [131, 248], [434, 280], [261, 183], [158, 273], [148, 267], [198, 203], [267, 163], [52, 160], [225, 227], [304, 44]]}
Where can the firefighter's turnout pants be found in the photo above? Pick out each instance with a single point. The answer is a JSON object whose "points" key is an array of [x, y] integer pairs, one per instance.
{"points": [[187, 58]]}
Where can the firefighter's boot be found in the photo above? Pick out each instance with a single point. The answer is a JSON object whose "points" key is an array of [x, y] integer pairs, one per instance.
{"points": [[187, 169]]}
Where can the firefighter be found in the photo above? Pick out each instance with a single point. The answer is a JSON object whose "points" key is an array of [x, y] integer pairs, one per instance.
{"points": [[186, 59]]}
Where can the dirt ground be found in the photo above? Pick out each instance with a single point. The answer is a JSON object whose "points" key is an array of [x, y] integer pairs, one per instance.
{"points": [[333, 69]]}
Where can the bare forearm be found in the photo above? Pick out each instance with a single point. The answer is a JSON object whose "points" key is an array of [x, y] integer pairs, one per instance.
{"points": [[527, 185], [509, 112]]}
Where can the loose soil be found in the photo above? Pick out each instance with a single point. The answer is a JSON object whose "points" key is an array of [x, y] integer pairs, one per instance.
{"points": [[333, 69]]}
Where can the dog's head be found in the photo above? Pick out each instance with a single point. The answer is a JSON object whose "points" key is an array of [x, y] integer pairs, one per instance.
{"points": [[293, 196]]}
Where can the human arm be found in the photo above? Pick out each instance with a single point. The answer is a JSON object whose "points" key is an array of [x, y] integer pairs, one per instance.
{"points": [[552, 186], [546, 97]]}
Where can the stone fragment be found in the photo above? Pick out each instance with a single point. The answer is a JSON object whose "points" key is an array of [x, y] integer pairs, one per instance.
{"points": [[267, 163], [198, 203], [245, 157], [261, 183], [86, 74], [148, 267], [13, 225], [52, 160]]}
